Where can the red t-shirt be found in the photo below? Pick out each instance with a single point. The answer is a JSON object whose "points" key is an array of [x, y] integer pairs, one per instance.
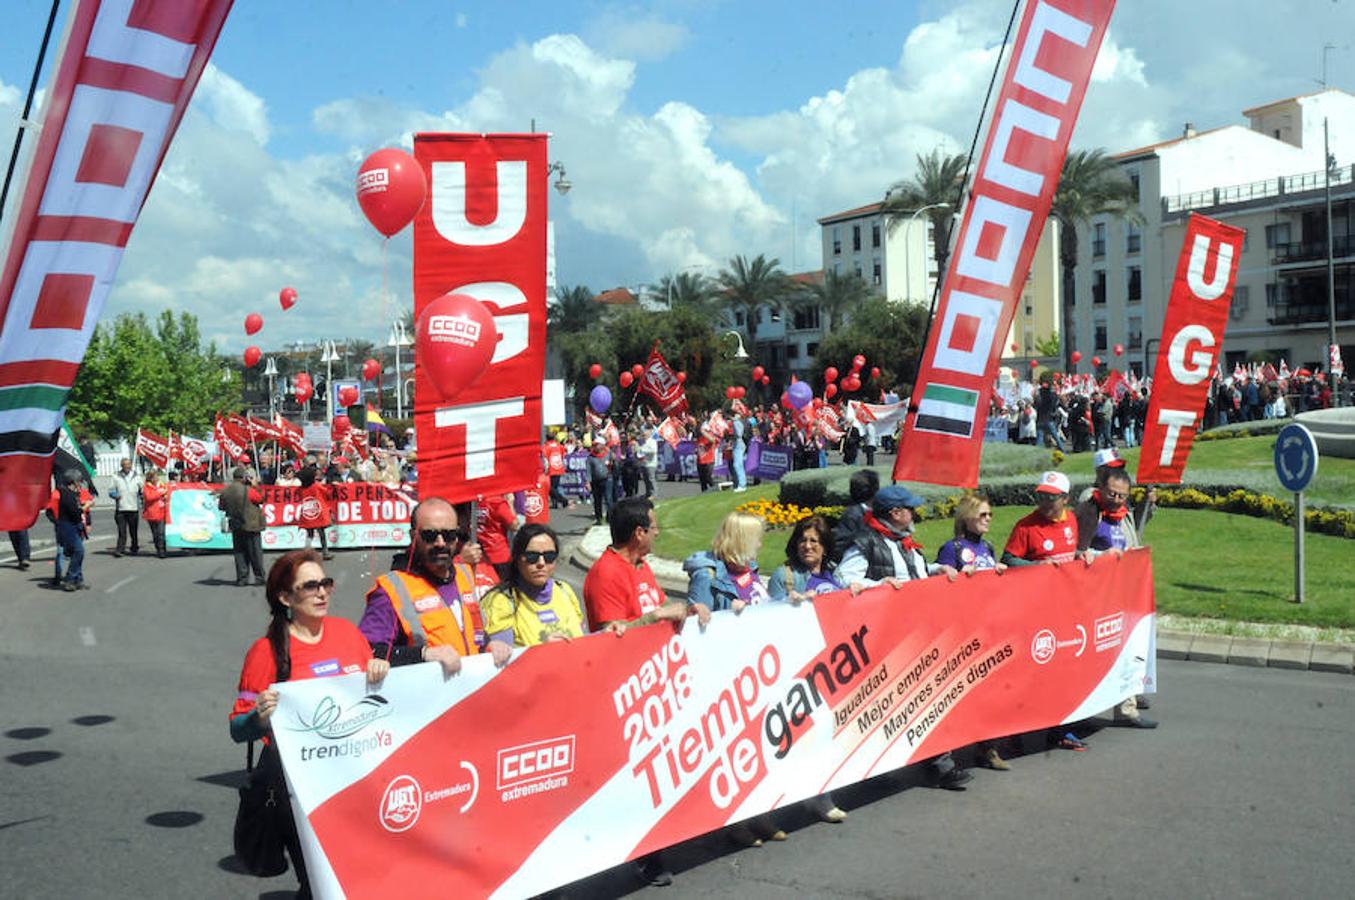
{"points": [[555, 458], [494, 518], [341, 650], [1038, 539], [314, 512], [614, 590]]}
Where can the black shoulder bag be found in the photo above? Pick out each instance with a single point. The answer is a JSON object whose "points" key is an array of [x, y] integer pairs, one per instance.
{"points": [[264, 817]]}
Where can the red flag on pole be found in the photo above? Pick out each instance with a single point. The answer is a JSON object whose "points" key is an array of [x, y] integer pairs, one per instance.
{"points": [[660, 383]]}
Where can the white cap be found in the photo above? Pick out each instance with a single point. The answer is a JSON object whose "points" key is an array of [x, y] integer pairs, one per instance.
{"points": [[1108, 457], [1053, 483]]}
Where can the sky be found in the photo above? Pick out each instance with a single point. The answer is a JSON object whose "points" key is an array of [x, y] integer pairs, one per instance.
{"points": [[692, 130]]}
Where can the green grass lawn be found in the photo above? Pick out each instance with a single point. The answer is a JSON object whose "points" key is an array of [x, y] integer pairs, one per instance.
{"points": [[1206, 564]]}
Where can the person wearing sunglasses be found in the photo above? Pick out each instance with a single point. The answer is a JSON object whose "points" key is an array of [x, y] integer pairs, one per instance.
{"points": [[428, 611], [969, 551], [531, 606], [302, 641]]}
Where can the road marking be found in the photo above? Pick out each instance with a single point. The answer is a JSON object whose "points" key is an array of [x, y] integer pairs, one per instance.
{"points": [[87, 636], [123, 583]]}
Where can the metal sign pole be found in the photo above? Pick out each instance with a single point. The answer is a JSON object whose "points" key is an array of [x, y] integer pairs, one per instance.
{"points": [[1298, 547]]}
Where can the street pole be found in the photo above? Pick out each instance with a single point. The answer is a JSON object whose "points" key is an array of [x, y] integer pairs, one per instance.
{"points": [[1298, 546], [1331, 265]]}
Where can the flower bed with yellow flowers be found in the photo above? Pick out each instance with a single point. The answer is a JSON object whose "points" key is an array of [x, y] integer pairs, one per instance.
{"points": [[775, 514]]}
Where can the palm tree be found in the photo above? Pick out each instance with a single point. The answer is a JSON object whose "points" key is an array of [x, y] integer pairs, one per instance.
{"points": [[576, 312], [688, 288], [1091, 184], [837, 295], [750, 285], [937, 183]]}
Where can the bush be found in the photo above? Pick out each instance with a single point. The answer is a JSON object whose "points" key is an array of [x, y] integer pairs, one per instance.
{"points": [[1243, 429]]}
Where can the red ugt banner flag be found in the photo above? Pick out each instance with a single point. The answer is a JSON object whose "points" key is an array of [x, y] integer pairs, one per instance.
{"points": [[483, 233], [1032, 122], [661, 383], [121, 85], [152, 447], [1192, 335]]}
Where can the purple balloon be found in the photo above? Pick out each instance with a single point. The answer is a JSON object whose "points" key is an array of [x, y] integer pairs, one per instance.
{"points": [[600, 399], [800, 394]]}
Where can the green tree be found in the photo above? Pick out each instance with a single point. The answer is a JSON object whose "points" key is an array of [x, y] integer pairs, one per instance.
{"points": [[749, 285], [1047, 346], [159, 378], [690, 289], [837, 295], [575, 312], [1091, 184], [887, 333], [936, 184]]}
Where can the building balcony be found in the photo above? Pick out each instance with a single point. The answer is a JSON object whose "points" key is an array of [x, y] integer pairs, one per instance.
{"points": [[1307, 251]]}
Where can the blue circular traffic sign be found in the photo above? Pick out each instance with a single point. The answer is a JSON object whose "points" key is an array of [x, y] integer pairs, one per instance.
{"points": [[1295, 457]]}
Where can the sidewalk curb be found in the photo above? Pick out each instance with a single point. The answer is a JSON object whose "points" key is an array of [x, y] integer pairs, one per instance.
{"points": [[1315, 656]]}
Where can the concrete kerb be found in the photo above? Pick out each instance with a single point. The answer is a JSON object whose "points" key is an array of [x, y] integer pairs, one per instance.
{"points": [[1319, 656]]}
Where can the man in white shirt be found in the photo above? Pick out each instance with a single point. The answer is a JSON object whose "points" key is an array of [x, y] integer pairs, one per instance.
{"points": [[126, 494]]}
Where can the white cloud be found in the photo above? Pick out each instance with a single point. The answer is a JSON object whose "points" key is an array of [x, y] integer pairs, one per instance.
{"points": [[633, 34], [231, 106]]}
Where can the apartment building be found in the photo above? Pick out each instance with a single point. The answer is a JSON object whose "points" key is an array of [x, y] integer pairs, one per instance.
{"points": [[899, 261], [1124, 270]]}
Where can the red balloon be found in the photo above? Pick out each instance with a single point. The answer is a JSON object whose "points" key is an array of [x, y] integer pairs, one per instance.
{"points": [[682, 377], [874, 371], [595, 371], [302, 392], [731, 393], [742, 392], [1119, 349], [785, 400], [1033, 364], [391, 189], [455, 342], [852, 383], [1015, 346], [287, 297], [858, 361], [370, 369], [253, 322], [830, 374], [830, 391], [252, 356], [766, 380], [1096, 360], [348, 395], [758, 372], [626, 379], [637, 370], [1076, 357]]}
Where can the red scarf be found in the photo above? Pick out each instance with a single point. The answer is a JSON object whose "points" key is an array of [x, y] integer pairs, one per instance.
{"points": [[905, 541], [1110, 515]]}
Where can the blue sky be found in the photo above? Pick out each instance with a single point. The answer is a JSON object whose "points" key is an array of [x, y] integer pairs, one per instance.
{"points": [[692, 129]]}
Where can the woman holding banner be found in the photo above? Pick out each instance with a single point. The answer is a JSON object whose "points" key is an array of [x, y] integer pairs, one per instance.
{"points": [[301, 642], [154, 500]]}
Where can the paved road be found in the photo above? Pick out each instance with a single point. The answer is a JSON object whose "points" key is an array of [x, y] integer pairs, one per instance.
{"points": [[118, 772]]}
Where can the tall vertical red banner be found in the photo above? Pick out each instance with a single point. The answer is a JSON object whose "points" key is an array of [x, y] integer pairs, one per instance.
{"points": [[121, 86], [1018, 173], [1192, 336], [483, 233]]}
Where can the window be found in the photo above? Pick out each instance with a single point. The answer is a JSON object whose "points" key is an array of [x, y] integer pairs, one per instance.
{"points": [[1135, 340], [1134, 180], [1276, 235], [1135, 284], [811, 350], [858, 270], [806, 318], [776, 314], [876, 274], [1030, 310], [837, 268], [1133, 238], [1241, 302], [875, 234], [856, 238], [1100, 337], [1099, 286], [792, 351], [1271, 291], [739, 318], [837, 240], [1098, 240]]}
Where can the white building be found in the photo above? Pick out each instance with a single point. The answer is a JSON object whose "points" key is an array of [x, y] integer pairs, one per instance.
{"points": [[1124, 271], [900, 261]]}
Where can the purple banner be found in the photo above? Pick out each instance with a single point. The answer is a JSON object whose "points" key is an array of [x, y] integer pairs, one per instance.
{"points": [[766, 461]]}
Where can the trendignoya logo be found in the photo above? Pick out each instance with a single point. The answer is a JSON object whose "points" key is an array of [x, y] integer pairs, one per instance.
{"points": [[461, 330], [330, 721], [1042, 648], [401, 804]]}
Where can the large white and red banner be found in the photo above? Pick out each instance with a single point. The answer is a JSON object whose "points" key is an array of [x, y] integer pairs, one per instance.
{"points": [[120, 88], [1192, 339], [578, 756], [1031, 125], [153, 447], [660, 383], [482, 232]]}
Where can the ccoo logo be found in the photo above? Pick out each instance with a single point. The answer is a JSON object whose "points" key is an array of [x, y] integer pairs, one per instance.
{"points": [[454, 329], [373, 180], [401, 804]]}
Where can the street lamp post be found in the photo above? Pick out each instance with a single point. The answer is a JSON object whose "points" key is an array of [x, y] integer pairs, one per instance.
{"points": [[740, 353], [908, 253], [673, 277], [399, 338], [271, 372], [330, 357]]}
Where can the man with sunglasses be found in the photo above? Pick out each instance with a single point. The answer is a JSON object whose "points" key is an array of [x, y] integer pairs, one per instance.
{"points": [[428, 611], [1049, 534]]}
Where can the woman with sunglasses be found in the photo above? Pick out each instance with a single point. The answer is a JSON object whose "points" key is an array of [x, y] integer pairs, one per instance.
{"points": [[969, 551], [531, 606], [302, 642]]}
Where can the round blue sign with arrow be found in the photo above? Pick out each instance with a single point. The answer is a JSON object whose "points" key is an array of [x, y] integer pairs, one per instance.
{"points": [[1295, 457]]}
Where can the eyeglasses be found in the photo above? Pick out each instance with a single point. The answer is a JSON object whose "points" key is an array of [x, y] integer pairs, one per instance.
{"points": [[535, 556], [449, 535], [1116, 495], [314, 586], [985, 515]]}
